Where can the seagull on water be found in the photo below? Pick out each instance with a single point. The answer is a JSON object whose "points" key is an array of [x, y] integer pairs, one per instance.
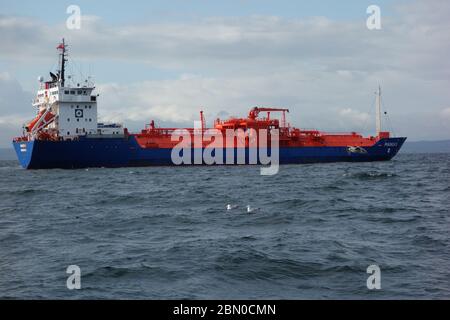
{"points": [[251, 210]]}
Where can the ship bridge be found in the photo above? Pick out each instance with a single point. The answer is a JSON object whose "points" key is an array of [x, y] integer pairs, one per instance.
{"points": [[65, 111]]}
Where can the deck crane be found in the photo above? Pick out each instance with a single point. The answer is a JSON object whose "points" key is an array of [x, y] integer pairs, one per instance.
{"points": [[253, 114]]}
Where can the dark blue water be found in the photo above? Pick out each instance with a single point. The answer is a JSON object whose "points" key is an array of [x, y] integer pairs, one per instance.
{"points": [[164, 232]]}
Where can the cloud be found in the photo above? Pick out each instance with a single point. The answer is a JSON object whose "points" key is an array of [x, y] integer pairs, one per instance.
{"points": [[314, 66], [354, 118], [15, 108], [407, 43], [446, 113], [15, 102], [179, 101]]}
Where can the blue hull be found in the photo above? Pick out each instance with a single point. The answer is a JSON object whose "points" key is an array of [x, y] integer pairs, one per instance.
{"points": [[125, 152]]}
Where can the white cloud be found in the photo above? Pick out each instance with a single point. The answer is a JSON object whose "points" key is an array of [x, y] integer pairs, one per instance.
{"points": [[15, 108], [179, 101], [407, 43], [313, 66], [446, 113], [354, 118]]}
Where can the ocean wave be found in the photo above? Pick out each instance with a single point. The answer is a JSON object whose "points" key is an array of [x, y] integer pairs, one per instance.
{"points": [[430, 241], [26, 192], [125, 199], [393, 219], [370, 175], [165, 232], [291, 203], [138, 272], [250, 265]]}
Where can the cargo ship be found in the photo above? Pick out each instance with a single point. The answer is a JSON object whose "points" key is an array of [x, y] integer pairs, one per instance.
{"points": [[66, 133]]}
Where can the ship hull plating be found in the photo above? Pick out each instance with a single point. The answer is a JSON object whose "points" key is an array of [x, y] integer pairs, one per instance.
{"points": [[126, 152]]}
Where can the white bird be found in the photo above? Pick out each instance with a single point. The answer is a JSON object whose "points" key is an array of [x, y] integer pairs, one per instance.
{"points": [[251, 210], [231, 207]]}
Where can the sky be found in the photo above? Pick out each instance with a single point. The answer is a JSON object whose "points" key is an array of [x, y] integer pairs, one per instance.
{"points": [[167, 60]]}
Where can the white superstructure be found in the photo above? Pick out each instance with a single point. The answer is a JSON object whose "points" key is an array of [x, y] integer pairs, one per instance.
{"points": [[67, 112], [75, 109]]}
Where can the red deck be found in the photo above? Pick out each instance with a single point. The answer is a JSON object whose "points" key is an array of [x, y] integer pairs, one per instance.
{"points": [[153, 137]]}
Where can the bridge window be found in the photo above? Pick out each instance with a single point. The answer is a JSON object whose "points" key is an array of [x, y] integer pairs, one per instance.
{"points": [[79, 92], [72, 92], [66, 92], [68, 119]]}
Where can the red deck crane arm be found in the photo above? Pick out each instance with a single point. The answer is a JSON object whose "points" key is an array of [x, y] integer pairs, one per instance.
{"points": [[253, 114]]}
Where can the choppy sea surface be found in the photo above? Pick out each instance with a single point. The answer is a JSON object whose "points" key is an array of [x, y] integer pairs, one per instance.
{"points": [[165, 233]]}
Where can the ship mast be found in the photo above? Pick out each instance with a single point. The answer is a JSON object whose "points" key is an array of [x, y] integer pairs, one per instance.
{"points": [[62, 48], [378, 111]]}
